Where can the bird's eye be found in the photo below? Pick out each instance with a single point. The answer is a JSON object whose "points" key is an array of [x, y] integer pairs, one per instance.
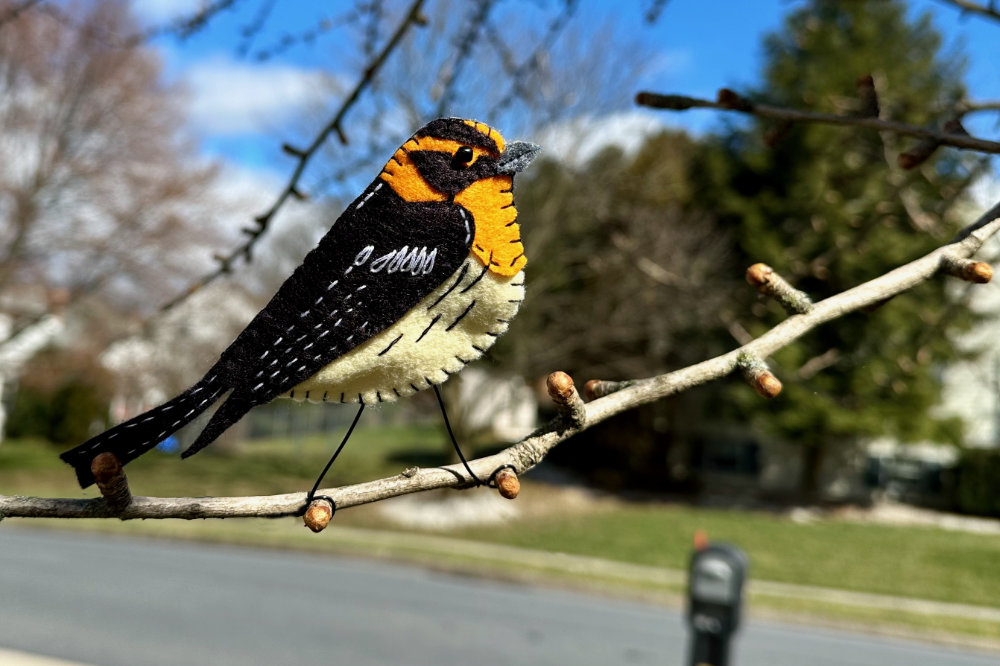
{"points": [[463, 156]]}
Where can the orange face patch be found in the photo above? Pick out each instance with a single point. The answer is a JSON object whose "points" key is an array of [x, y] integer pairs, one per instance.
{"points": [[401, 174], [498, 236]]}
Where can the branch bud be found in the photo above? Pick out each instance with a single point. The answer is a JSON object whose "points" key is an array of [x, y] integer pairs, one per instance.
{"points": [[563, 392], [759, 275], [111, 481], [318, 515], [969, 270], [508, 484], [598, 388], [733, 100], [756, 373], [765, 280]]}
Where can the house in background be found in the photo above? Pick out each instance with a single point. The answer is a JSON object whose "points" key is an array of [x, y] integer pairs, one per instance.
{"points": [[30, 320]]}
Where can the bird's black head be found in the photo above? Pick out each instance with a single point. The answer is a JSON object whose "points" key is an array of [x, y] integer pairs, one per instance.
{"points": [[469, 163]]}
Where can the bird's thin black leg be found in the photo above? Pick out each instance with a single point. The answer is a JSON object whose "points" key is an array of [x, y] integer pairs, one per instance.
{"points": [[454, 442], [312, 493]]}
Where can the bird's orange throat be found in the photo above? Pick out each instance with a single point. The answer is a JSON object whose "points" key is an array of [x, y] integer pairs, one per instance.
{"points": [[498, 237]]}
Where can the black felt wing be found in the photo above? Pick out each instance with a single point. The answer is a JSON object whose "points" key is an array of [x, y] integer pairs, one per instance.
{"points": [[381, 258]]}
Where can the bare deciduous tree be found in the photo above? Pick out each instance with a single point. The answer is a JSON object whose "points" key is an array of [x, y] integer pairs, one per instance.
{"points": [[99, 190]]}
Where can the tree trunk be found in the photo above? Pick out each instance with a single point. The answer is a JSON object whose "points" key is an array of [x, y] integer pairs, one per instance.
{"points": [[809, 477]]}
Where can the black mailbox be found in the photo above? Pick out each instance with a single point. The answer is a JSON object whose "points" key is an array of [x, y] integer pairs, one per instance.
{"points": [[715, 599]]}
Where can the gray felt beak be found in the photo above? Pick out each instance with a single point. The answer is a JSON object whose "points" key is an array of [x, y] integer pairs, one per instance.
{"points": [[517, 157]]}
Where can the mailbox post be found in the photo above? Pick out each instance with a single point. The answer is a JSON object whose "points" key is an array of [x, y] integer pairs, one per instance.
{"points": [[715, 598]]}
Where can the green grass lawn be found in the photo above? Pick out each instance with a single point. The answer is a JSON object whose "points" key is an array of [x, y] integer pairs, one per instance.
{"points": [[913, 562], [919, 562]]}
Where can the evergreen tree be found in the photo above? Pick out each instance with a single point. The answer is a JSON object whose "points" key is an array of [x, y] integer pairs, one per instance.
{"points": [[624, 280], [828, 208]]}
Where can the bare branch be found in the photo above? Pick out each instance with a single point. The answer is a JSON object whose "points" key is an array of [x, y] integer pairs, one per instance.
{"points": [[184, 26], [988, 10], [311, 34], [530, 451], [226, 262], [656, 7], [520, 74], [967, 106], [463, 47], [730, 101]]}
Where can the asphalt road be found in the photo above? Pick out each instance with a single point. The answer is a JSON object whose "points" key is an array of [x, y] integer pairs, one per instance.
{"points": [[107, 601]]}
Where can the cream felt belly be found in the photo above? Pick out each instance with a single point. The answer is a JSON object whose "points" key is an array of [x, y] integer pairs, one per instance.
{"points": [[451, 327]]}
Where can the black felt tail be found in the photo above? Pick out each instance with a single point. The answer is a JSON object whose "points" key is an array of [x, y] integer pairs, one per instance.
{"points": [[231, 411], [131, 439]]}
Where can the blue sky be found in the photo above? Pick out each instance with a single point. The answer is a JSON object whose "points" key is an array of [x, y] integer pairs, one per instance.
{"points": [[241, 107]]}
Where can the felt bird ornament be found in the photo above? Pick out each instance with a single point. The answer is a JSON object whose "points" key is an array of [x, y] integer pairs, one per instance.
{"points": [[416, 279]]}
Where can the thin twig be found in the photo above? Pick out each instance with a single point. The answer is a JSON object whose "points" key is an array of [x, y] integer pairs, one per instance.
{"points": [[226, 262], [968, 106], [532, 450], [519, 75], [732, 102], [967, 7], [183, 26], [463, 46]]}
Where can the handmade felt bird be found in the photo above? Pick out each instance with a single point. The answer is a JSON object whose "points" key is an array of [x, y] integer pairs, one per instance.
{"points": [[417, 278]]}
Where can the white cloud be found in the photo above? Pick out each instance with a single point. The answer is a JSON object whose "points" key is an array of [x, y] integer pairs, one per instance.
{"points": [[669, 63], [576, 141], [986, 190], [240, 98]]}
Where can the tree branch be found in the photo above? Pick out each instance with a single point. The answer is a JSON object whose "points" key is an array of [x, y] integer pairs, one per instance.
{"points": [[988, 10], [226, 262], [730, 101], [575, 417]]}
